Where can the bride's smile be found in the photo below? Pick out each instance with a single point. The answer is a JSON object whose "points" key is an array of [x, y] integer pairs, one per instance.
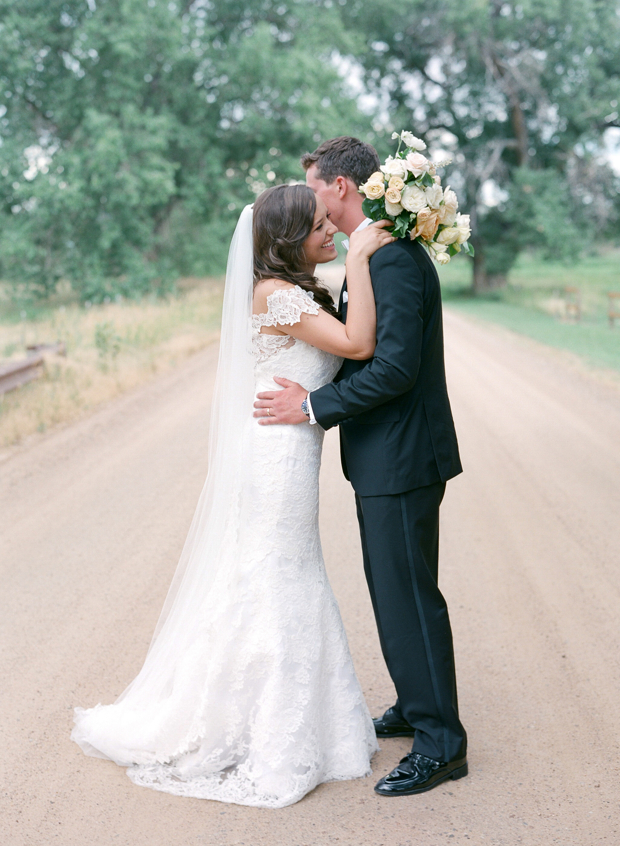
{"points": [[319, 246]]}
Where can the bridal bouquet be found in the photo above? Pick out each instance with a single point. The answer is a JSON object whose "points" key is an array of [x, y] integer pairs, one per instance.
{"points": [[408, 191]]}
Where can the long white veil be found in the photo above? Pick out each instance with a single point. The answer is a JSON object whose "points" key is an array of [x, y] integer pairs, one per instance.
{"points": [[213, 527]]}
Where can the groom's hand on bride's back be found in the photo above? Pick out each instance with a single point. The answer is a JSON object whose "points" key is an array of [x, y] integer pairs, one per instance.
{"points": [[281, 406]]}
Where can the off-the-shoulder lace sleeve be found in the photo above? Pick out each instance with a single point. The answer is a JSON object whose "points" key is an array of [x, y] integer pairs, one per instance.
{"points": [[285, 307]]}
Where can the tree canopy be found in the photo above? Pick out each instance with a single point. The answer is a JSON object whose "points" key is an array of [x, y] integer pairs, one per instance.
{"points": [[133, 131], [522, 94]]}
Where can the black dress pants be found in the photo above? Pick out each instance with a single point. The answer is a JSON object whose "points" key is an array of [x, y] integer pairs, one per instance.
{"points": [[400, 544]]}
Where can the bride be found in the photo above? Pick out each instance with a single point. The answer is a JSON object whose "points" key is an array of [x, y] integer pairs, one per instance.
{"points": [[248, 693]]}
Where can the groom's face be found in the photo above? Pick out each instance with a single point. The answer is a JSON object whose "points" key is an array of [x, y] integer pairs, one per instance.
{"points": [[331, 194]]}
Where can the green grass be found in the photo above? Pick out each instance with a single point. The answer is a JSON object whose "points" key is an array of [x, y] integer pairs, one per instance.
{"points": [[534, 303]]}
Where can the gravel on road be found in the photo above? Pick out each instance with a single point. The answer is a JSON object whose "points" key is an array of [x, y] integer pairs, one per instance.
{"points": [[92, 520]]}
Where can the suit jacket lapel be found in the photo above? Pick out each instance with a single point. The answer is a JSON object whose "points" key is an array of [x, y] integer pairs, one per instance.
{"points": [[342, 306]]}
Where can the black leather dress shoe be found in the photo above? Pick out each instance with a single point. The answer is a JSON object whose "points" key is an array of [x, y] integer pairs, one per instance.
{"points": [[416, 773], [391, 724]]}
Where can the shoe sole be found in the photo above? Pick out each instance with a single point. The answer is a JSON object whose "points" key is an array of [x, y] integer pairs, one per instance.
{"points": [[460, 772], [395, 734]]}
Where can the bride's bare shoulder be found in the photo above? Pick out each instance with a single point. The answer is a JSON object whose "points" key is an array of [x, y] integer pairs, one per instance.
{"points": [[263, 289]]}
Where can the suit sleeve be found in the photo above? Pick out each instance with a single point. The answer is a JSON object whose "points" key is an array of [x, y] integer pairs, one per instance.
{"points": [[399, 288]]}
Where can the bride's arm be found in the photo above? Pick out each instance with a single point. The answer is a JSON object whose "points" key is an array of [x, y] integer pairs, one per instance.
{"points": [[356, 338]]}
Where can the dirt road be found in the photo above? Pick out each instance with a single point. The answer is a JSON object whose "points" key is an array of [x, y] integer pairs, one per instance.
{"points": [[92, 519]]}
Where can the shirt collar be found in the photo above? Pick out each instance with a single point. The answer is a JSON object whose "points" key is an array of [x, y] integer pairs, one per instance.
{"points": [[363, 225]]}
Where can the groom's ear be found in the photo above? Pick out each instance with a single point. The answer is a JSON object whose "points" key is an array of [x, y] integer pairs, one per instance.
{"points": [[342, 186], [345, 186]]}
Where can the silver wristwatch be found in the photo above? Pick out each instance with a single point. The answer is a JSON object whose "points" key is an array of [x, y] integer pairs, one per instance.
{"points": [[305, 409]]}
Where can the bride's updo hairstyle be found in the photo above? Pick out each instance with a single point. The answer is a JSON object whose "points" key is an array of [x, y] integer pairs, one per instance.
{"points": [[282, 220]]}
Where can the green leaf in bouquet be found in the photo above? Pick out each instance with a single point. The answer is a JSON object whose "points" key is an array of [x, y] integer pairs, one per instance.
{"points": [[468, 248], [427, 180], [401, 225], [374, 209]]}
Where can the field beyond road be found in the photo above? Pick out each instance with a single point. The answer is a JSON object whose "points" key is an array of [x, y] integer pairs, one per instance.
{"points": [[110, 348], [92, 520], [540, 301]]}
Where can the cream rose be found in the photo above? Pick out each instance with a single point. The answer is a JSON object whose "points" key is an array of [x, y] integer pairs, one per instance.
{"points": [[392, 208], [439, 252], [374, 190], [392, 195], [426, 225], [417, 163], [434, 196], [394, 167], [463, 228], [413, 199], [377, 176], [448, 236], [396, 183]]}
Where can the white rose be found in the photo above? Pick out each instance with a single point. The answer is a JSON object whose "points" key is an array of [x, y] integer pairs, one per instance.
{"points": [[394, 167], [413, 198], [449, 207], [463, 228], [434, 196], [417, 163], [439, 252], [392, 208], [411, 141], [448, 236]]}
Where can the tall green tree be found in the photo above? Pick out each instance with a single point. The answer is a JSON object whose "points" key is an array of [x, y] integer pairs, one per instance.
{"points": [[133, 131], [523, 93]]}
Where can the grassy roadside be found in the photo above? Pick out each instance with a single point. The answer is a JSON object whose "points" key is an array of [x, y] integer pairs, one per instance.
{"points": [[111, 348], [534, 303]]}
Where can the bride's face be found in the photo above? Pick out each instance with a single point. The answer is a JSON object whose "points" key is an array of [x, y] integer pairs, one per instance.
{"points": [[319, 245]]}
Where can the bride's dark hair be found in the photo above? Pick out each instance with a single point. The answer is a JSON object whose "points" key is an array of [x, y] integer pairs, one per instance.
{"points": [[282, 220]]}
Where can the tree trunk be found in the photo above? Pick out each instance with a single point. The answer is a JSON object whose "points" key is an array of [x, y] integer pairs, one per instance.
{"points": [[483, 282]]}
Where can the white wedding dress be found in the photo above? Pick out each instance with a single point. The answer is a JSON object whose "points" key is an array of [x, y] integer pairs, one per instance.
{"points": [[262, 703]]}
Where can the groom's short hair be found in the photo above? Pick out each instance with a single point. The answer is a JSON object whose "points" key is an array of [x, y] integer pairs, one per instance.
{"points": [[343, 156]]}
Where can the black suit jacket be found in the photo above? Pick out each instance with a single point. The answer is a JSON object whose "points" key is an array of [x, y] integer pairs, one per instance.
{"points": [[396, 427]]}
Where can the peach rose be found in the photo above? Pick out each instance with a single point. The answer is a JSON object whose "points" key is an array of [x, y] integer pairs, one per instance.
{"points": [[426, 225], [392, 195]]}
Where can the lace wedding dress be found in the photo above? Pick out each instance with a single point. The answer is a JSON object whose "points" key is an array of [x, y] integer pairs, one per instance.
{"points": [[263, 703]]}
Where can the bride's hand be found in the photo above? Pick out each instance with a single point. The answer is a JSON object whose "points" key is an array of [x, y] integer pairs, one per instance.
{"points": [[367, 241]]}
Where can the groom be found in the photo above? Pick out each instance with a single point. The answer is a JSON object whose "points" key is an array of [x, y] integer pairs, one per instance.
{"points": [[398, 448]]}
